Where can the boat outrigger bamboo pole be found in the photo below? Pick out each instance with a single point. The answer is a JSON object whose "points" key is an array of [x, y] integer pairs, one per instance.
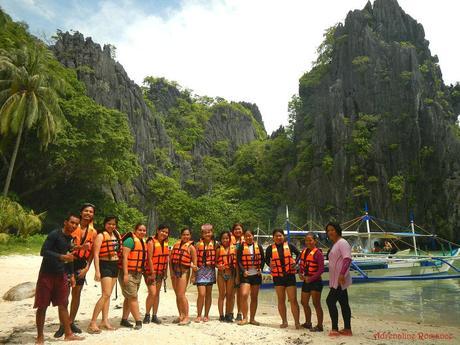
{"points": [[413, 232], [368, 227], [288, 226]]}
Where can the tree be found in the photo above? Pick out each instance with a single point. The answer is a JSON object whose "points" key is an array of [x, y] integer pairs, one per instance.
{"points": [[27, 99]]}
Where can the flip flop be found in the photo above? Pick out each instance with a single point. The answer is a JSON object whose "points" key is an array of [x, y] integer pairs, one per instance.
{"points": [[184, 323], [93, 331], [346, 332], [334, 333]]}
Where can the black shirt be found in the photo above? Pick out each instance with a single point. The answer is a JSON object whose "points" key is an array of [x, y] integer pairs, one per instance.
{"points": [[292, 248], [56, 244]]}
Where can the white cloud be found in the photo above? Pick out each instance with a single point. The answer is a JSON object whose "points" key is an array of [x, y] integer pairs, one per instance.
{"points": [[251, 50]]}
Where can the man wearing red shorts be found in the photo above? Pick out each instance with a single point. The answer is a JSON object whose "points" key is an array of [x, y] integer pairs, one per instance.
{"points": [[52, 283]]}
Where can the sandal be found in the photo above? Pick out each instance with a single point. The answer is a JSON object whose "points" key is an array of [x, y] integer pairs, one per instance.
{"points": [[334, 333], [242, 322], [307, 325], [284, 325], [346, 332], [93, 330], [182, 323], [254, 322], [317, 329]]}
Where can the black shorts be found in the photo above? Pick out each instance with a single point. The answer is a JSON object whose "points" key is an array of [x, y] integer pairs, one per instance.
{"points": [[204, 284], [108, 268], [288, 280], [313, 286], [251, 280], [78, 265]]}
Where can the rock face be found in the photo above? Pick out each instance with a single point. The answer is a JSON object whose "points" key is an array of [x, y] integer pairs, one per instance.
{"points": [[377, 126], [20, 292], [109, 85]]}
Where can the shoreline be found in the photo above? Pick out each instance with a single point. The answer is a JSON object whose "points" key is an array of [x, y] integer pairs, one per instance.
{"points": [[17, 320]]}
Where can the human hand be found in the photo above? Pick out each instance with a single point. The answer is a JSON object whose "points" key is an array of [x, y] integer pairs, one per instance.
{"points": [[245, 273], [97, 276], [66, 257], [72, 281], [82, 273]]}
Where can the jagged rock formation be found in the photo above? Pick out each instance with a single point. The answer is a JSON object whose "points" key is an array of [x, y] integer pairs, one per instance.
{"points": [[109, 85], [377, 126]]}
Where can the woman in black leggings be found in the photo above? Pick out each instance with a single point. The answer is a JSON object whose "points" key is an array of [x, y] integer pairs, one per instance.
{"points": [[339, 280]]}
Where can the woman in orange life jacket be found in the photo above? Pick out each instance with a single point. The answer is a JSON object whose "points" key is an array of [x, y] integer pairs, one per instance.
{"points": [[283, 269], [237, 238], [134, 256], [156, 270], [226, 263], [182, 258], [250, 258], [311, 267], [83, 238], [106, 254], [205, 277]]}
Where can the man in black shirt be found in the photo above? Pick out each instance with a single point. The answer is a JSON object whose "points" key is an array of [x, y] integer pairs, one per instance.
{"points": [[52, 283]]}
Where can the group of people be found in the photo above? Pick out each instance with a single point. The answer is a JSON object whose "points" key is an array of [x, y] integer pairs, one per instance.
{"points": [[235, 262]]}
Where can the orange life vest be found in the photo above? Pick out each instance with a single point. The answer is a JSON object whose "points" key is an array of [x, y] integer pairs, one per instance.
{"points": [[79, 240], [180, 254], [206, 254], [137, 256], [110, 247], [249, 260], [234, 241], [276, 266], [227, 257], [160, 256], [308, 264]]}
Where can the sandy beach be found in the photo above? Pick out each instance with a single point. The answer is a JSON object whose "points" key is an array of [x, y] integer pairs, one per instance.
{"points": [[17, 320]]}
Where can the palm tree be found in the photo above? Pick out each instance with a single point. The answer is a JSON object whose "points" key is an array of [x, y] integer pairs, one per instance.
{"points": [[27, 99]]}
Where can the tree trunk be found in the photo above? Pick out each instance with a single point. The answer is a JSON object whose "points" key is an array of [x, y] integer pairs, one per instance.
{"points": [[13, 159]]}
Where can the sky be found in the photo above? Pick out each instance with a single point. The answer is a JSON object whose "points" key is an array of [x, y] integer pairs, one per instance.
{"points": [[241, 50]]}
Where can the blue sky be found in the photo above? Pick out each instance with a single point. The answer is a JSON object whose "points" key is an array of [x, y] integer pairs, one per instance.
{"points": [[251, 50]]}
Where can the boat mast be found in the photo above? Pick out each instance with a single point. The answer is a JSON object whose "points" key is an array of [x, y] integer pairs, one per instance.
{"points": [[288, 226], [413, 231], [368, 227]]}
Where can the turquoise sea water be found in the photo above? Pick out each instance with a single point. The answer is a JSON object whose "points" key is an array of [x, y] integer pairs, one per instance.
{"points": [[426, 302]]}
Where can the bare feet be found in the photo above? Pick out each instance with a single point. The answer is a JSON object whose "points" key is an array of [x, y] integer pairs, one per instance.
{"points": [[73, 337], [40, 341], [254, 322], [284, 325], [242, 322], [198, 319], [206, 319], [297, 326]]}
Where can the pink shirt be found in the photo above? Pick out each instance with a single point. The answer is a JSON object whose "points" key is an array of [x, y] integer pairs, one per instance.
{"points": [[339, 251]]}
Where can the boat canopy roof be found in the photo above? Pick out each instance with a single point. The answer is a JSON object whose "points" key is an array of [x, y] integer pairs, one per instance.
{"points": [[373, 234]]}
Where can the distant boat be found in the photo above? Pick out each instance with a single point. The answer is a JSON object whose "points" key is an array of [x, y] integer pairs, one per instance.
{"points": [[369, 267]]}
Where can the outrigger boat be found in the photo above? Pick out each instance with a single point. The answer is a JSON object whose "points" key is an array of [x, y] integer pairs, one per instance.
{"points": [[369, 267]]}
